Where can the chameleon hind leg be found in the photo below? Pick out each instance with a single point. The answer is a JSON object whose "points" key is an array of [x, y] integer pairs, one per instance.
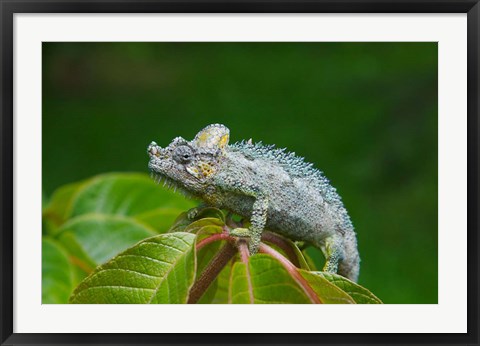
{"points": [[333, 251]]}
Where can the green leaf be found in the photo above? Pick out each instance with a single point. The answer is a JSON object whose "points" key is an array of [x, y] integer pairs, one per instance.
{"points": [[94, 238], [208, 222], [264, 280], [180, 223], [360, 294], [58, 278], [211, 212], [130, 194], [158, 270], [56, 212], [206, 217], [288, 248], [106, 220], [325, 290], [314, 257], [160, 219], [300, 256], [310, 262]]}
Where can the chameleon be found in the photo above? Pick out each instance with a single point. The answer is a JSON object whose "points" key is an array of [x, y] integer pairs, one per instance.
{"points": [[275, 189]]}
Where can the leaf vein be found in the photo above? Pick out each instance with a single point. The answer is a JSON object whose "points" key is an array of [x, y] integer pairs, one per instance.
{"points": [[129, 271], [147, 257], [183, 255], [161, 244], [119, 286]]}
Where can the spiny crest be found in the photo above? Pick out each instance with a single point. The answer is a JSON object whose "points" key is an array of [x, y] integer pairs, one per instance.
{"points": [[294, 165]]}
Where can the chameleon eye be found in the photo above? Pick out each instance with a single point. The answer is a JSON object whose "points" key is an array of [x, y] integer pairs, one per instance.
{"points": [[183, 154]]}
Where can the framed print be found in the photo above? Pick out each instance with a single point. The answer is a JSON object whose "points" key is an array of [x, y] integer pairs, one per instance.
{"points": [[236, 173]]}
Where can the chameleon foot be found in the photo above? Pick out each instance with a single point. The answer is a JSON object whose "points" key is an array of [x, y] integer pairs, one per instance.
{"points": [[253, 241], [240, 232], [192, 213]]}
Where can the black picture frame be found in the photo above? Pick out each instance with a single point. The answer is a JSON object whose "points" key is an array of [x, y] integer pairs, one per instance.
{"points": [[10, 7]]}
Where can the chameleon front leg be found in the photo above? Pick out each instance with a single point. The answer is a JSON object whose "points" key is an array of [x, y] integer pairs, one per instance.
{"points": [[257, 224], [258, 217]]}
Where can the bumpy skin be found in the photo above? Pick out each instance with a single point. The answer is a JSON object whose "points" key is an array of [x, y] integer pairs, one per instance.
{"points": [[274, 189]]}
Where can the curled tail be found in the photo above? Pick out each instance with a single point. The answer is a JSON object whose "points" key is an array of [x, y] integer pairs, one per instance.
{"points": [[349, 264]]}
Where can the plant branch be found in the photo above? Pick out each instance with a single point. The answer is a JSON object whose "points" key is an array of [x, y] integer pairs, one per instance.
{"points": [[292, 270], [213, 238], [243, 250], [244, 255], [282, 244], [212, 270]]}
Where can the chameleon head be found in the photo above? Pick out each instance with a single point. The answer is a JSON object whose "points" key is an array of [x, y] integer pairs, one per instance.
{"points": [[190, 164]]}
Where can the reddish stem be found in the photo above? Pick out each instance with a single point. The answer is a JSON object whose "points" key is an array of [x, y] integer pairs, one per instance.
{"points": [[211, 272], [213, 238], [244, 255], [243, 250], [228, 251], [282, 244], [292, 270]]}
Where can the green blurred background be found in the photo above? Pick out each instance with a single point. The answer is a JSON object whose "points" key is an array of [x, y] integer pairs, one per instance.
{"points": [[364, 113]]}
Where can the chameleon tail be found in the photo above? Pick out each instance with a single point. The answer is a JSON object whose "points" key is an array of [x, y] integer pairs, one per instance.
{"points": [[349, 265]]}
